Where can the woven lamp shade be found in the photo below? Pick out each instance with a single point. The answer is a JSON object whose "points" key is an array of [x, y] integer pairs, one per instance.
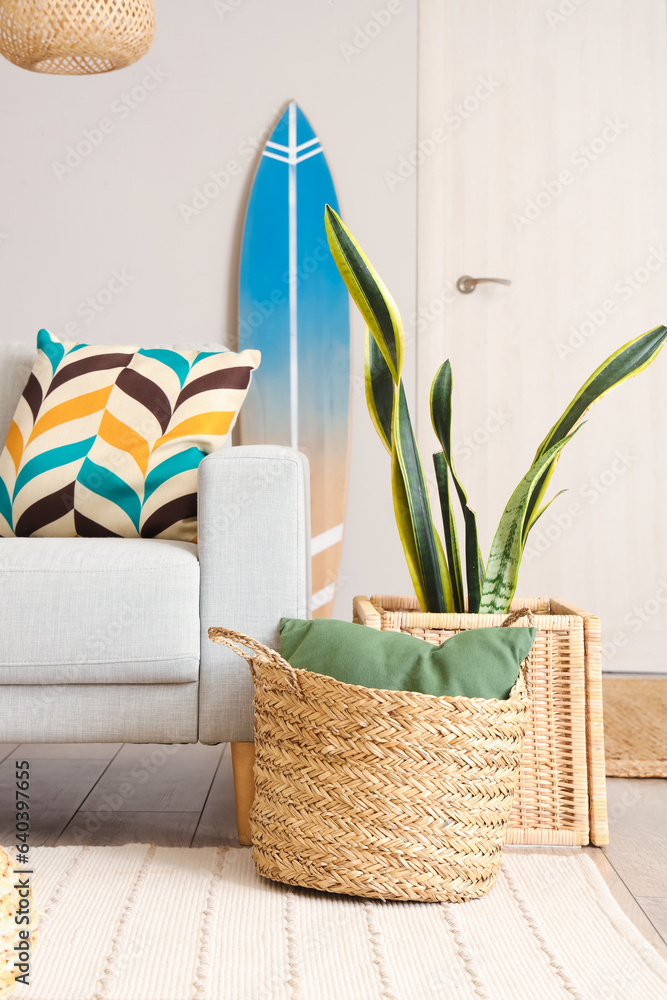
{"points": [[75, 37]]}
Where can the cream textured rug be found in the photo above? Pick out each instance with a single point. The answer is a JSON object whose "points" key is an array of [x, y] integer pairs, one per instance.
{"points": [[146, 923], [635, 726]]}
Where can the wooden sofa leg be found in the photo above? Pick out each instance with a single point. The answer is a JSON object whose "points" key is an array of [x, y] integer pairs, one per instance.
{"points": [[243, 758]]}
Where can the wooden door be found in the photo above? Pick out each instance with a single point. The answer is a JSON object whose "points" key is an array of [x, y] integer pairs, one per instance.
{"points": [[543, 160]]}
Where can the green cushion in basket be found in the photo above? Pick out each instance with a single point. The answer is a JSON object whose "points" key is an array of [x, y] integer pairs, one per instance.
{"points": [[479, 663]]}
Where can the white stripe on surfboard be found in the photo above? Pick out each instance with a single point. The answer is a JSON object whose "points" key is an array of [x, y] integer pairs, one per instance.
{"points": [[288, 159], [274, 156], [326, 539], [286, 149], [307, 156], [294, 357], [322, 596]]}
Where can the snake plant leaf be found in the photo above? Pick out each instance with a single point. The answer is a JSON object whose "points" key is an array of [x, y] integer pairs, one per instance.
{"points": [[626, 362], [541, 511], [444, 572], [502, 567], [413, 514], [368, 291], [406, 534], [441, 415], [379, 390], [451, 535]]}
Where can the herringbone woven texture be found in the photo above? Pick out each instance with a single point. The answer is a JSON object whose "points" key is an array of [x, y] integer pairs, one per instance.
{"points": [[384, 794]]}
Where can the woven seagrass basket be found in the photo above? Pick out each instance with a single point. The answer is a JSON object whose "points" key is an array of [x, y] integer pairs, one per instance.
{"points": [[384, 794], [561, 794]]}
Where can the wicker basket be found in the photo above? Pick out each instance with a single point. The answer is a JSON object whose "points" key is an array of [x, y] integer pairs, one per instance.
{"points": [[561, 793], [384, 794]]}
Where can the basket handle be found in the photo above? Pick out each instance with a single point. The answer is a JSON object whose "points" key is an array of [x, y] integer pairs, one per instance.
{"points": [[515, 615], [240, 643]]}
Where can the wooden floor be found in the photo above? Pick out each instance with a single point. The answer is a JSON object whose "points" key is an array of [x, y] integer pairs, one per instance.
{"points": [[183, 796]]}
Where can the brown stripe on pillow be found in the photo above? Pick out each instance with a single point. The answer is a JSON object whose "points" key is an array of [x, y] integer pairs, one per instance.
{"points": [[225, 378], [45, 511], [176, 510], [33, 394], [148, 393], [87, 528], [98, 363], [143, 457]]}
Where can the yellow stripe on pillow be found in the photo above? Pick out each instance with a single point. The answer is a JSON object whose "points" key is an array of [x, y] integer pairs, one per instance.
{"points": [[14, 444], [72, 409], [119, 435], [83, 455], [207, 424]]}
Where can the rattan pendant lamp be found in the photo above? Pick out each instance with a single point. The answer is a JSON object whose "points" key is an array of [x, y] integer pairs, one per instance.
{"points": [[75, 37]]}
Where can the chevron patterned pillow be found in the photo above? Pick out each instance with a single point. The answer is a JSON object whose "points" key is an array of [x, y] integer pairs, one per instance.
{"points": [[107, 440]]}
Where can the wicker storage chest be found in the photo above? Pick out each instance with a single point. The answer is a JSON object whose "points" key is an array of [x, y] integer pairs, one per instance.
{"points": [[561, 796]]}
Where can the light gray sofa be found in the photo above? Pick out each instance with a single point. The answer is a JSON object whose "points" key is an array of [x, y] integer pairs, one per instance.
{"points": [[105, 639]]}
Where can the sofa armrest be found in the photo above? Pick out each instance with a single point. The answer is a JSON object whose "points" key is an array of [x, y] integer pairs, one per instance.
{"points": [[254, 555]]}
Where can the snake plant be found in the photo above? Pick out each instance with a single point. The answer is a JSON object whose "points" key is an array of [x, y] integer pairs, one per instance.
{"points": [[436, 572]]}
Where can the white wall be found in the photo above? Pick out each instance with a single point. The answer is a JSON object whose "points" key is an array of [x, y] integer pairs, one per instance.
{"points": [[213, 82]]}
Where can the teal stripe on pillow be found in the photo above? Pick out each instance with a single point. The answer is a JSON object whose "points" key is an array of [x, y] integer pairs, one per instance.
{"points": [[172, 359], [53, 349], [136, 447], [107, 484], [184, 461], [6, 504], [202, 355], [52, 459]]}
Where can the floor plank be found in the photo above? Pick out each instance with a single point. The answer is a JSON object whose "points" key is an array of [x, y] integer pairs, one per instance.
{"points": [[166, 829], [70, 751], [153, 778], [655, 908], [57, 789], [633, 908], [638, 842], [218, 819], [6, 749]]}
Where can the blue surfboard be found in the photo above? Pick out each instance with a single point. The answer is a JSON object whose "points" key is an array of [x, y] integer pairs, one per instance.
{"points": [[294, 307]]}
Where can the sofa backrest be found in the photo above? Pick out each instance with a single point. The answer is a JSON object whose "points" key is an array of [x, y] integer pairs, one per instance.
{"points": [[16, 361]]}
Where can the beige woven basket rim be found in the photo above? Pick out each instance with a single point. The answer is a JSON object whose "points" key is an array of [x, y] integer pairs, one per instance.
{"points": [[362, 687], [398, 608], [235, 640]]}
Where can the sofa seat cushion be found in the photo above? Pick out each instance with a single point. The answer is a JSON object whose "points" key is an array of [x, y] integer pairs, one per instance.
{"points": [[98, 611]]}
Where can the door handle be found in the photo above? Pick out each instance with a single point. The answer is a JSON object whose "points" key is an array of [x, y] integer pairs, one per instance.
{"points": [[466, 284]]}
